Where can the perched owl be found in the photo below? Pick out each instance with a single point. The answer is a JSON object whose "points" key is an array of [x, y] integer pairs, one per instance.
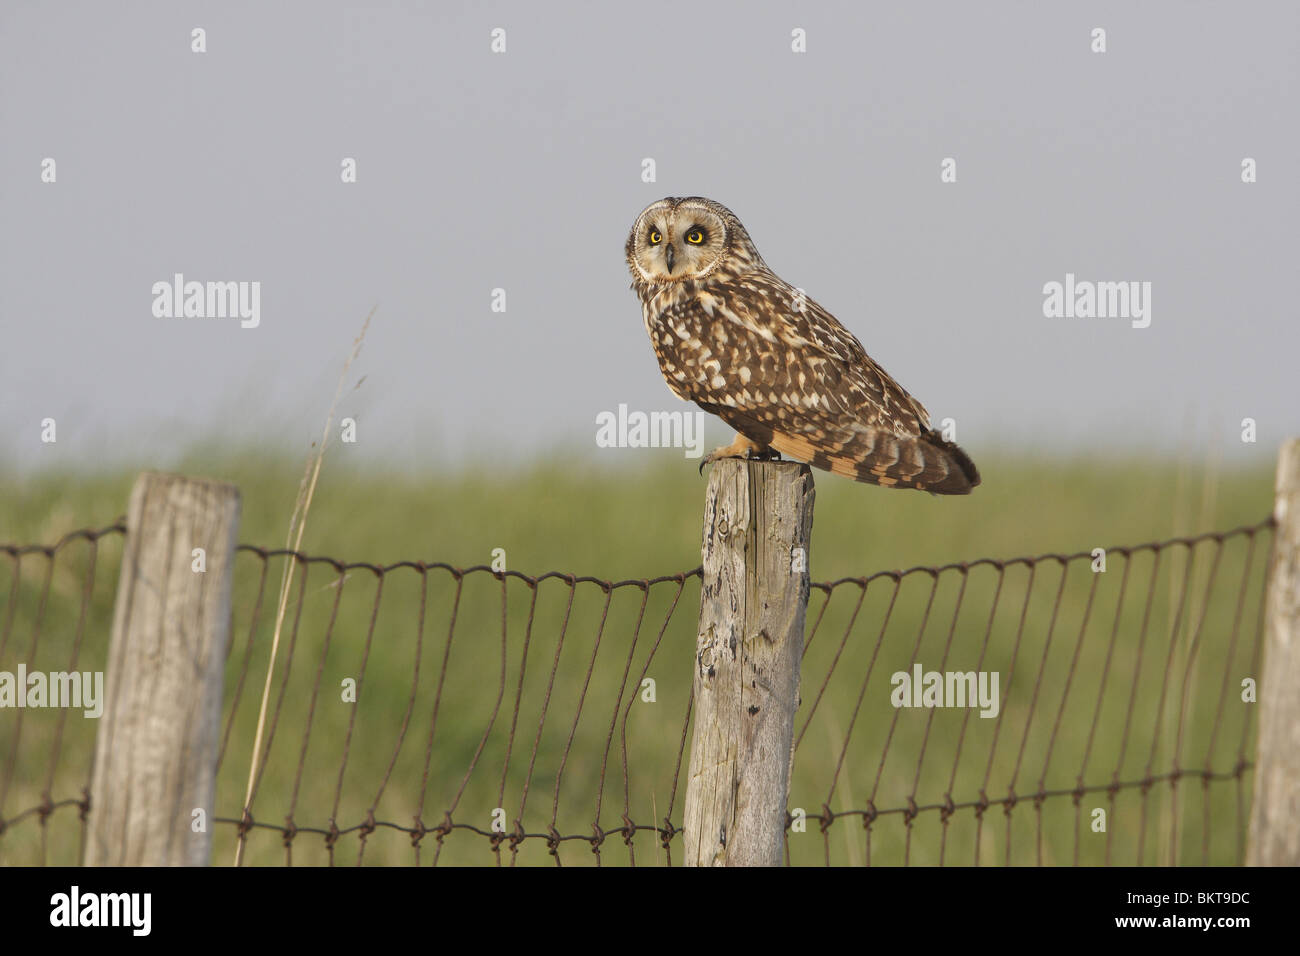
{"points": [[772, 363]]}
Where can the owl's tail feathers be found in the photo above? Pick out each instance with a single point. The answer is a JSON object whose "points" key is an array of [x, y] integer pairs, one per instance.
{"points": [[962, 473], [926, 462]]}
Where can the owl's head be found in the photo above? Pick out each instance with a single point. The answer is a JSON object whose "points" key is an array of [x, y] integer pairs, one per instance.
{"points": [[693, 238]]}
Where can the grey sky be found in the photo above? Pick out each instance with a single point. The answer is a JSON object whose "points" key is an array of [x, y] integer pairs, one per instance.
{"points": [[522, 170]]}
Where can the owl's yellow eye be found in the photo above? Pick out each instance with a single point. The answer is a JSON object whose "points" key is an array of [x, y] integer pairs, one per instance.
{"points": [[655, 237], [695, 236]]}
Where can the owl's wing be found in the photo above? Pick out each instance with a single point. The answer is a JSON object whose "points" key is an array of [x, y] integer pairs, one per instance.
{"points": [[800, 382]]}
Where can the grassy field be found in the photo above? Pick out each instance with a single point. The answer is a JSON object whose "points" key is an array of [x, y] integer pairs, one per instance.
{"points": [[1066, 687]]}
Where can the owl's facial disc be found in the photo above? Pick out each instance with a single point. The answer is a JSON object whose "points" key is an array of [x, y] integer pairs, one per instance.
{"points": [[677, 239]]}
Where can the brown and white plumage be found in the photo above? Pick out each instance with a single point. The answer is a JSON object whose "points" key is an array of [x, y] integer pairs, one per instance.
{"points": [[750, 348]]}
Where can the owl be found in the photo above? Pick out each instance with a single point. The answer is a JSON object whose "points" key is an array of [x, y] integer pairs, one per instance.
{"points": [[752, 349]]}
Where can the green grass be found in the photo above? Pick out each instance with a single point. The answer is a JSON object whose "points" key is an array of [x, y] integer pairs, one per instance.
{"points": [[644, 522]]}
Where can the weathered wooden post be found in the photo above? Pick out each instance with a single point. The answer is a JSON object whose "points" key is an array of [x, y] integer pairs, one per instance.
{"points": [[757, 526], [1275, 816], [156, 750]]}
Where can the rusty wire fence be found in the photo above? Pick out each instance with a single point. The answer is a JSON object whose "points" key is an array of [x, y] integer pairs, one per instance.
{"points": [[422, 713]]}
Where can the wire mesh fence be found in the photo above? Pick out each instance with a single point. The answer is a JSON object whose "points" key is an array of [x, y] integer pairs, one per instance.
{"points": [[423, 713]]}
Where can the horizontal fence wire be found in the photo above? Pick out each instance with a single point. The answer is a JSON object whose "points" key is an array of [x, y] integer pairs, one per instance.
{"points": [[421, 712]]}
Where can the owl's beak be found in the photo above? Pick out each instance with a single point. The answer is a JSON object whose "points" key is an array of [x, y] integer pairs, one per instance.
{"points": [[668, 256]]}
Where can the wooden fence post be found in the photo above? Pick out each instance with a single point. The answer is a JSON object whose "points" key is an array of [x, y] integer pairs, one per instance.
{"points": [[757, 527], [1275, 816], [156, 750]]}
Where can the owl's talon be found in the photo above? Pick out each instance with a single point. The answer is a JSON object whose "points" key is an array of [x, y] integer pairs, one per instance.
{"points": [[715, 455], [742, 448]]}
